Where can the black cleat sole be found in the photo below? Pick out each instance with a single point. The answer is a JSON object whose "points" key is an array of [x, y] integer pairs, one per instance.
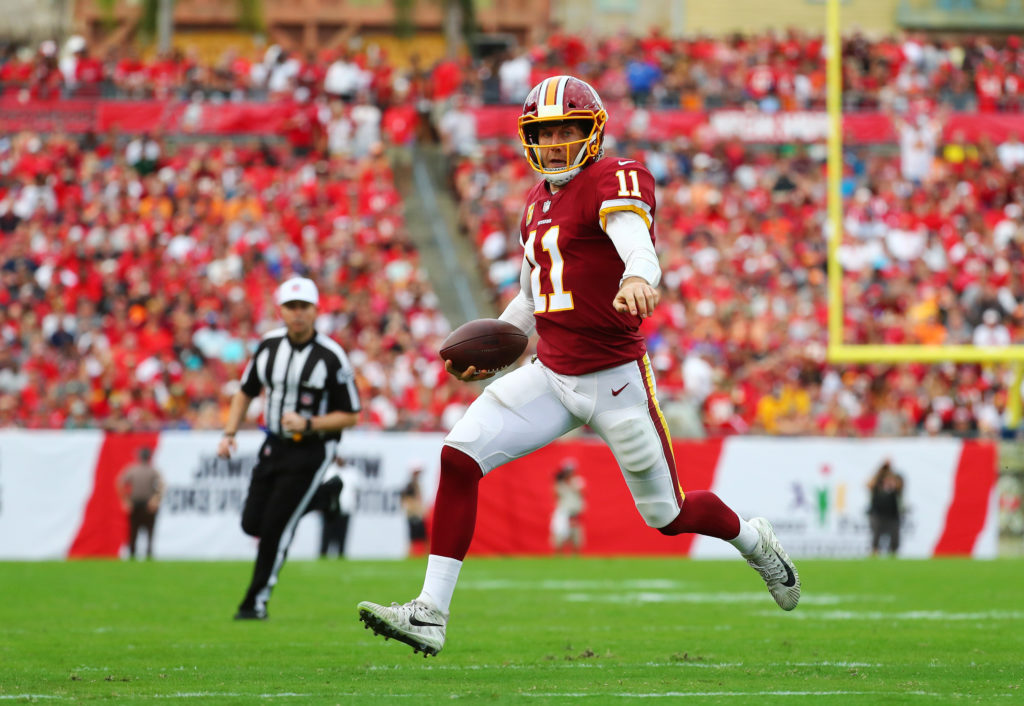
{"points": [[381, 628]]}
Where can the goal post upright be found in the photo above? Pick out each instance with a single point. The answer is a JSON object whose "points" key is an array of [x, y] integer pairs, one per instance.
{"points": [[833, 92], [837, 350]]}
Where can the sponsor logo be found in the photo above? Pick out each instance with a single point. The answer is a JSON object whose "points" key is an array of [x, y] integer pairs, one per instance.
{"points": [[420, 624], [790, 578], [825, 501], [625, 161], [615, 393]]}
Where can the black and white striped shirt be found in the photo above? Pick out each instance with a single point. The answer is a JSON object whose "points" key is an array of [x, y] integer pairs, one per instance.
{"points": [[312, 379]]}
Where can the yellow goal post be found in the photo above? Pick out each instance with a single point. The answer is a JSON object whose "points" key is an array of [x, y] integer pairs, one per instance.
{"points": [[838, 351]]}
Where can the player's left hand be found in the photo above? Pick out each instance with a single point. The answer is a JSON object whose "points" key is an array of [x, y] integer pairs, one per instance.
{"points": [[637, 297]]}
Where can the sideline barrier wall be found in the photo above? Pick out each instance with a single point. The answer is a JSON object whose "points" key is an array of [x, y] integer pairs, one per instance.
{"points": [[57, 496]]}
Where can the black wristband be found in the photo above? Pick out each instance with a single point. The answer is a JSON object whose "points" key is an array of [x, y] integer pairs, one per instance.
{"points": [[309, 424]]}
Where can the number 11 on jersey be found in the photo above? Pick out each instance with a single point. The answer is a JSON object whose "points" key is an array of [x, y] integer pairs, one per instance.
{"points": [[559, 299], [623, 189]]}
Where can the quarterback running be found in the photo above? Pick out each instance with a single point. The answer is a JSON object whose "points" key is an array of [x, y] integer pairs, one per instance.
{"points": [[589, 277]]}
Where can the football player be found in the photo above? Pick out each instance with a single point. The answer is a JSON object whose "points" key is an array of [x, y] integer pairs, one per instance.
{"points": [[589, 277]]}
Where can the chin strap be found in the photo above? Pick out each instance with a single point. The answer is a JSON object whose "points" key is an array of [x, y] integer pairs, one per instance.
{"points": [[562, 178]]}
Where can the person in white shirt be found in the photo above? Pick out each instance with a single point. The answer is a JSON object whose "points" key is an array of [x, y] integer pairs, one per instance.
{"points": [[343, 79], [514, 78], [1011, 153], [991, 332], [918, 141]]}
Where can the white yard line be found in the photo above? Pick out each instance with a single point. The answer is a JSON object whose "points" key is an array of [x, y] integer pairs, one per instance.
{"points": [[597, 663], [637, 597], [175, 695], [931, 615], [544, 695], [742, 694]]}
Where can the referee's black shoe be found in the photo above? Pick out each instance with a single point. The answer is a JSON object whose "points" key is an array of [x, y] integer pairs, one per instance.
{"points": [[251, 614]]}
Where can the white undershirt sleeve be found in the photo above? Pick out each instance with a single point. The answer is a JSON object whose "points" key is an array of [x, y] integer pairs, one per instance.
{"points": [[632, 240], [519, 311]]}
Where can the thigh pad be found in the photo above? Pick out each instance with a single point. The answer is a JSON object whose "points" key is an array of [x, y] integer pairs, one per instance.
{"points": [[515, 415]]}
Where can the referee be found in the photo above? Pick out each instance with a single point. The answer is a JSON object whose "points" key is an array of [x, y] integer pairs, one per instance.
{"points": [[311, 396]]}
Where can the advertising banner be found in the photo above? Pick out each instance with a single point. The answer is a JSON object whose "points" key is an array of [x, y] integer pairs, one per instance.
{"points": [[815, 494], [58, 495], [492, 122]]}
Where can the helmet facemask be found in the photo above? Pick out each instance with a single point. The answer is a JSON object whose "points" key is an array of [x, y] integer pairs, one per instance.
{"points": [[591, 145]]}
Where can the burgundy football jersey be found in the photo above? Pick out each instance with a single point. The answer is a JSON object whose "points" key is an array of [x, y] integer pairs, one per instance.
{"points": [[575, 269]]}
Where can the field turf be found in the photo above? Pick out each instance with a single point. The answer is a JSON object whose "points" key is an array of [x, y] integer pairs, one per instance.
{"points": [[536, 631]]}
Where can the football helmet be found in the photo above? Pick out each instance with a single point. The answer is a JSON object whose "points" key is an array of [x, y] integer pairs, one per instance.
{"points": [[555, 100]]}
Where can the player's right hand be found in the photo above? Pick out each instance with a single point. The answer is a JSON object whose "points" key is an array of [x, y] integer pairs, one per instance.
{"points": [[636, 297], [469, 374], [226, 447]]}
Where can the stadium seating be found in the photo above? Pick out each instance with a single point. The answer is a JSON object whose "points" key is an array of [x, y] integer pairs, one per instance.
{"points": [[136, 274], [741, 333], [135, 286], [777, 71]]}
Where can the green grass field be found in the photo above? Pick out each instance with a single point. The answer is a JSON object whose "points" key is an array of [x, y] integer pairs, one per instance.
{"points": [[536, 631]]}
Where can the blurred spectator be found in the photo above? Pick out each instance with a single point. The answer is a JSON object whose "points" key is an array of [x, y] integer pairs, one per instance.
{"points": [[1011, 153], [142, 154], [514, 78], [128, 300], [991, 332], [566, 520], [918, 141], [885, 512], [126, 269], [140, 487], [415, 512], [775, 71], [458, 128], [344, 79]]}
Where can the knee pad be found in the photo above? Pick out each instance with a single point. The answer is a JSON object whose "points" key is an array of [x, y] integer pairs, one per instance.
{"points": [[635, 444], [657, 513], [639, 452]]}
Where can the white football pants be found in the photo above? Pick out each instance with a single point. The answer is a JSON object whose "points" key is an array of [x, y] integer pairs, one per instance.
{"points": [[532, 406]]}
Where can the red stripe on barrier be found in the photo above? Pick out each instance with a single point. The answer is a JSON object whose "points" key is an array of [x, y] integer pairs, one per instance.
{"points": [[104, 526], [517, 500], [975, 478], [698, 461]]}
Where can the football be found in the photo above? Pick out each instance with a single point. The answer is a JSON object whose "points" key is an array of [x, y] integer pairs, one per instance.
{"points": [[488, 344]]}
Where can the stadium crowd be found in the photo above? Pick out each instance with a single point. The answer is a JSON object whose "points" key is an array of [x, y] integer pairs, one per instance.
{"points": [[135, 279], [740, 337], [136, 273], [775, 71]]}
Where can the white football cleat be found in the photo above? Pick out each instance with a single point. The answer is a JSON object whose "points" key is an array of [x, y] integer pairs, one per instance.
{"points": [[771, 561], [417, 624]]}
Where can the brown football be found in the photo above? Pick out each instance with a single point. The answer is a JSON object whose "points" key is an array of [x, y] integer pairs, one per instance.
{"points": [[488, 344]]}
